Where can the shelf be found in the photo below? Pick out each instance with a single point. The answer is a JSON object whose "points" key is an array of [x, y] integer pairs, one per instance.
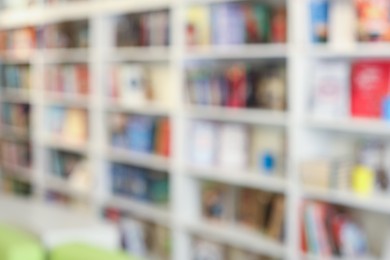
{"points": [[376, 203], [17, 57], [314, 257], [145, 210], [15, 96], [358, 50], [63, 55], [140, 54], [8, 131], [239, 115], [147, 109], [240, 178], [149, 161], [254, 51], [62, 185], [352, 125], [239, 237], [61, 144], [70, 100], [18, 172]]}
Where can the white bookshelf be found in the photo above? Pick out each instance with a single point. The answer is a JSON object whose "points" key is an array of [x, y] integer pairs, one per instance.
{"points": [[181, 216]]}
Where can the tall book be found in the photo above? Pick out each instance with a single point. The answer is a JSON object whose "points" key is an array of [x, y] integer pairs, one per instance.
{"points": [[198, 25]]}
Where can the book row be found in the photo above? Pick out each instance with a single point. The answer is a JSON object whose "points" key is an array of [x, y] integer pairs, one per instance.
{"points": [[67, 79], [143, 134], [362, 169], [236, 23], [68, 124], [237, 85], [359, 89], [342, 23], [15, 115], [15, 154], [254, 209], [11, 185], [16, 77], [141, 238], [140, 184], [210, 250], [237, 147], [135, 85], [143, 29], [329, 231]]}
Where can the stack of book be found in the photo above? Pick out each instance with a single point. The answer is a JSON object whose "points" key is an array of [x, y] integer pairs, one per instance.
{"points": [[143, 29], [16, 116], [15, 77], [141, 134], [140, 184], [343, 23], [68, 124], [257, 210], [73, 34], [237, 85], [358, 90], [65, 80], [236, 23], [237, 147], [18, 42], [327, 231], [140, 238]]}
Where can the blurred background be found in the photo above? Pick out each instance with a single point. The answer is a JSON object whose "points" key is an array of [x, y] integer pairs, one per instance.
{"points": [[194, 129]]}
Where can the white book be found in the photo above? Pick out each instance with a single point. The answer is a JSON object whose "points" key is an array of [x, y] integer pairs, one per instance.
{"points": [[233, 146], [331, 92], [342, 25], [203, 139], [205, 250], [134, 237], [132, 85]]}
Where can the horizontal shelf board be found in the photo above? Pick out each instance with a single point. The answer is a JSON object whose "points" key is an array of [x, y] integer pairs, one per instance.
{"points": [[67, 100], [377, 203], [75, 11], [239, 115], [249, 51], [149, 161], [61, 144], [352, 125], [238, 237], [317, 257], [17, 56], [140, 54], [56, 183], [144, 210], [240, 178], [9, 131], [63, 55], [358, 50], [18, 172], [15, 95], [147, 109]]}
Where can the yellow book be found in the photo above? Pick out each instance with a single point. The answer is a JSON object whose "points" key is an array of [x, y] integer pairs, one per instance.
{"points": [[198, 25], [75, 126]]}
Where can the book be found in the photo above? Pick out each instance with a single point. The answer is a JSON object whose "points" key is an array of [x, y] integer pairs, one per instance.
{"points": [[75, 125], [342, 25], [134, 237], [208, 250], [331, 93], [198, 25], [132, 85], [369, 85], [203, 151], [233, 145], [140, 134], [319, 16], [217, 202]]}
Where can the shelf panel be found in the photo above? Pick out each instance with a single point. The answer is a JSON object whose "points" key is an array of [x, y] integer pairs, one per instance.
{"points": [[144, 210], [71, 55], [15, 96], [377, 203], [8, 131], [239, 237], [149, 161], [358, 50], [240, 178], [147, 109], [352, 125], [254, 51], [70, 100], [18, 172], [62, 185], [140, 54], [315, 257], [61, 144], [239, 115]]}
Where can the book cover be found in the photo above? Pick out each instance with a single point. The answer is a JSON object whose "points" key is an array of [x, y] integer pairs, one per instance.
{"points": [[370, 84], [82, 79], [319, 16], [331, 93], [198, 25], [275, 225], [158, 187], [220, 20], [233, 146], [132, 85], [203, 149], [75, 127], [251, 208], [217, 203], [140, 134], [237, 85]]}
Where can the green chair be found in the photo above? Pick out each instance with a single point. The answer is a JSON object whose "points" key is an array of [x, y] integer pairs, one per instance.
{"points": [[18, 245], [84, 252]]}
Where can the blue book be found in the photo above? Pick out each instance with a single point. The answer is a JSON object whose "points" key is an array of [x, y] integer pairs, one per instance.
{"points": [[139, 184], [236, 24], [319, 14], [140, 134]]}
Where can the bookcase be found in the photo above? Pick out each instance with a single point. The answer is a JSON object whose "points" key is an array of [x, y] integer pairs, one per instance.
{"points": [[175, 176]]}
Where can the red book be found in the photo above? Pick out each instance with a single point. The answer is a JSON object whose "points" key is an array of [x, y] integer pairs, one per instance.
{"points": [[82, 79], [370, 84], [237, 84]]}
